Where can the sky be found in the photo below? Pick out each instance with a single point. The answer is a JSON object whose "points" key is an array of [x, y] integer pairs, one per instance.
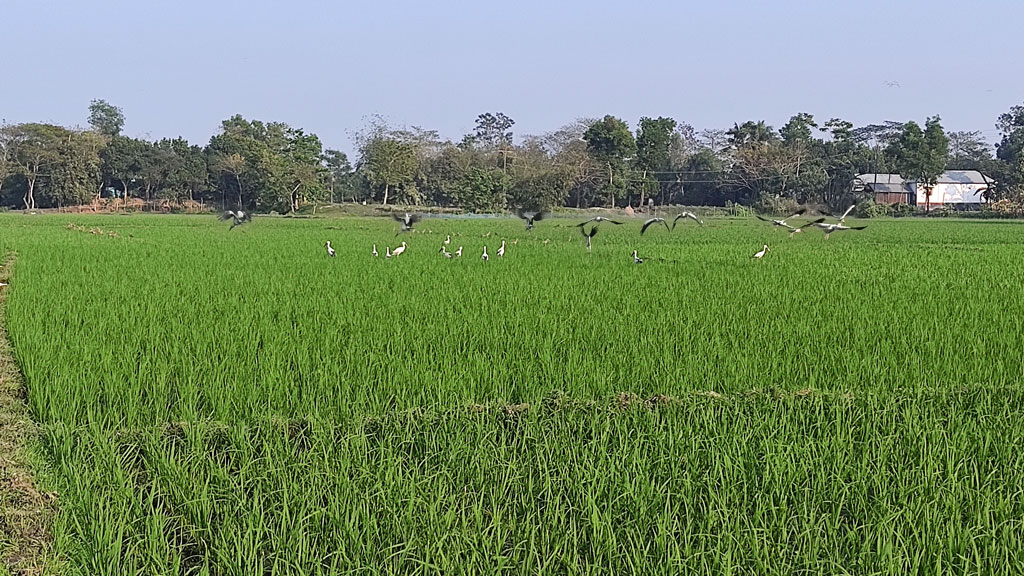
{"points": [[178, 68]]}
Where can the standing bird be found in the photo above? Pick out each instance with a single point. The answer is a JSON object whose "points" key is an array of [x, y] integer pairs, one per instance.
{"points": [[484, 257], [637, 259], [330, 251], [407, 221], [374, 251], [830, 228], [530, 216], [589, 235], [501, 251], [448, 240], [650, 205], [458, 253], [399, 250], [387, 254], [689, 215], [763, 251], [446, 253], [653, 221], [599, 219], [2, 284], [237, 218]]}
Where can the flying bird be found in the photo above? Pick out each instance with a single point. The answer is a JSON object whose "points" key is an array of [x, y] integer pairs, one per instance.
{"points": [[407, 221], [330, 251], [689, 215], [763, 251], [399, 249], [830, 228], [237, 218], [782, 221], [599, 219], [530, 216], [589, 235], [653, 221], [842, 218], [637, 259]]}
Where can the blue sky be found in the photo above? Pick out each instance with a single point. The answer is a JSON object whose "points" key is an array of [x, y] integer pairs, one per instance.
{"points": [[180, 67]]}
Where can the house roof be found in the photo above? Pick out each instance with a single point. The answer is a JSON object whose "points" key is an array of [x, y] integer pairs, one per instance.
{"points": [[894, 182]]}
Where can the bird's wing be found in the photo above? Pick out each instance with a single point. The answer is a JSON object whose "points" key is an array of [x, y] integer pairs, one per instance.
{"points": [[759, 217], [414, 218], [538, 216], [813, 222], [648, 225], [520, 213], [847, 213], [799, 212], [587, 222], [613, 221], [858, 227], [246, 216], [399, 217], [676, 219], [694, 217], [226, 215]]}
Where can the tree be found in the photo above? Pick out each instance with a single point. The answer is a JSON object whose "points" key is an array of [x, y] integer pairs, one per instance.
{"points": [[750, 133], [1010, 150], [122, 163], [921, 156], [609, 141], [188, 174], [493, 131], [105, 118], [798, 130], [968, 151], [75, 175], [232, 165], [388, 163], [34, 149], [654, 143], [339, 172]]}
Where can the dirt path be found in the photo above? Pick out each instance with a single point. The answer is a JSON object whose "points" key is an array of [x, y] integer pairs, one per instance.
{"points": [[25, 513]]}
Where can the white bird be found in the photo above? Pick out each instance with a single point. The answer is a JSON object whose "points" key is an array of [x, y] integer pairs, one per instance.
{"points": [[399, 249], [652, 221], [530, 216], [589, 235], [484, 257], [446, 253], [792, 229], [689, 215], [763, 251], [2, 284], [407, 221], [598, 219], [237, 218], [387, 254], [501, 251], [830, 228], [458, 253], [330, 251], [374, 251], [637, 259], [448, 240], [782, 221], [842, 218]]}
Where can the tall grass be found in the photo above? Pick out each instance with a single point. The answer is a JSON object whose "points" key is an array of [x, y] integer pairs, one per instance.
{"points": [[237, 402]]}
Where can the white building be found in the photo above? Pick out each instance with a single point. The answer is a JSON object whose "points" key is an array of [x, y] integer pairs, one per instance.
{"points": [[954, 188]]}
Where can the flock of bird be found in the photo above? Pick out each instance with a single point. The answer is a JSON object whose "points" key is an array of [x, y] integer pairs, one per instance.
{"points": [[407, 221]]}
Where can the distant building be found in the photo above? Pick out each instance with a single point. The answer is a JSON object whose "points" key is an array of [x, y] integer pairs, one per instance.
{"points": [[954, 188]]}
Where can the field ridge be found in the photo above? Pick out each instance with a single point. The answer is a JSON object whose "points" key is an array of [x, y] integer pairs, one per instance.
{"points": [[25, 512]]}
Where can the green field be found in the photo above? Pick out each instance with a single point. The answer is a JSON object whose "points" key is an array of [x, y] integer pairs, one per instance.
{"points": [[216, 402]]}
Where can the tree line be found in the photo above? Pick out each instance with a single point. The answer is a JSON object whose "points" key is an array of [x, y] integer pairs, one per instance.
{"points": [[271, 166]]}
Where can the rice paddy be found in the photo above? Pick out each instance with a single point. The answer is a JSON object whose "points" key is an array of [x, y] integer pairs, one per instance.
{"points": [[216, 402]]}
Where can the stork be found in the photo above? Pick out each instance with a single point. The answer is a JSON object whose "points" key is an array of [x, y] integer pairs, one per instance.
{"points": [[330, 251], [637, 259], [446, 253], [237, 218], [407, 221], [448, 240], [599, 219], [387, 254], [458, 253], [782, 221], [399, 249], [763, 251], [830, 228], [484, 257], [588, 235], [689, 215], [374, 251], [530, 216], [501, 251], [653, 221]]}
